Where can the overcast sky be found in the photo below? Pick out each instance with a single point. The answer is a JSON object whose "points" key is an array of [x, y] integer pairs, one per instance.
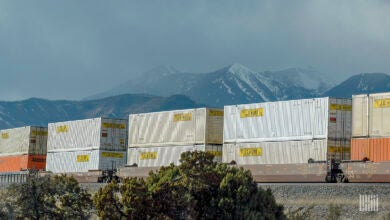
{"points": [[73, 49]]}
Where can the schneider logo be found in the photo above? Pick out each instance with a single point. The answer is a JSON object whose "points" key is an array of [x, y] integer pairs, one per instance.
{"points": [[368, 203]]}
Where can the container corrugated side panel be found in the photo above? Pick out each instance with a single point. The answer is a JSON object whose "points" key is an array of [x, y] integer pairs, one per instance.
{"points": [[229, 124], [72, 161], [360, 116], [379, 115], [38, 140], [113, 134], [22, 162], [163, 156], [112, 159], [375, 149], [15, 141], [179, 127], [279, 121], [340, 119], [214, 129], [339, 149], [74, 135], [285, 152]]}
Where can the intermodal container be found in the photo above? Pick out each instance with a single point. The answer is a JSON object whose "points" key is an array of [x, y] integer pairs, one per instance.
{"points": [[23, 140], [84, 160], [371, 115], [22, 162], [285, 152], [360, 116], [379, 115], [88, 134], [304, 119], [373, 149], [178, 127], [163, 156]]}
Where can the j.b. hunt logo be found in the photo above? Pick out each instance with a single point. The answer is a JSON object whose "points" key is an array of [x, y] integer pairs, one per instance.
{"points": [[368, 203]]}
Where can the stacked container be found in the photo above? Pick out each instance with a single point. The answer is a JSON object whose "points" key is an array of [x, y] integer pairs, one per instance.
{"points": [[371, 127], [23, 148], [158, 139], [83, 145], [287, 131]]}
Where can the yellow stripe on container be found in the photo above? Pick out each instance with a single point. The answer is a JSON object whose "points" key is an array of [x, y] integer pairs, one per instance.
{"points": [[39, 133], [182, 117], [381, 103], [251, 152], [255, 112], [82, 158], [62, 128], [333, 149], [340, 107], [148, 155], [112, 154], [215, 113], [215, 153], [113, 125], [5, 135]]}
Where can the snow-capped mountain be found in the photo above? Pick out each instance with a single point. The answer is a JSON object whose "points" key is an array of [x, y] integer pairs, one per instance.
{"points": [[308, 78], [361, 84], [234, 84]]}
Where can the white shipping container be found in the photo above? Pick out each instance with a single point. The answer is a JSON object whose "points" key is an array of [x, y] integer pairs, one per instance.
{"points": [[379, 115], [96, 133], [23, 140], [360, 115], [163, 156], [288, 120], [84, 160], [284, 152], [178, 127]]}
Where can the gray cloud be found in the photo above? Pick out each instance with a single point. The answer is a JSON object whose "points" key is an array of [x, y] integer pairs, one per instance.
{"points": [[72, 49]]}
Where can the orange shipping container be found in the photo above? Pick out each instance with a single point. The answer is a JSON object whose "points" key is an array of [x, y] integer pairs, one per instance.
{"points": [[375, 149], [22, 162]]}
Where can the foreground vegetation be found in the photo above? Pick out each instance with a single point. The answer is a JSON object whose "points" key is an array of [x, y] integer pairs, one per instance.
{"points": [[197, 189]]}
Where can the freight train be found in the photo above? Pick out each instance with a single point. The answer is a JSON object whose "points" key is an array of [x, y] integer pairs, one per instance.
{"points": [[308, 140]]}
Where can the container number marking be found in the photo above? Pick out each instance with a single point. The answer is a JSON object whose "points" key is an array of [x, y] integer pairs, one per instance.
{"points": [[339, 107], [148, 155], [251, 152], [215, 113], [112, 154], [62, 129], [39, 133], [215, 153], [255, 112], [182, 117], [5, 135], [333, 149], [82, 158], [114, 125], [381, 103]]}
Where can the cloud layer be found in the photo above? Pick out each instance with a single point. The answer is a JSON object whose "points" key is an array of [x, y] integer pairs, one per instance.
{"points": [[72, 49]]}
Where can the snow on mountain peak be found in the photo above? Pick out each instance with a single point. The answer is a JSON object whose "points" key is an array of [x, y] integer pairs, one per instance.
{"points": [[238, 69]]}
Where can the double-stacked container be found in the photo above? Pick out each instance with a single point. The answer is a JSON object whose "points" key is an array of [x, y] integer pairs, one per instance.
{"points": [[83, 145], [371, 127], [158, 139], [287, 132], [23, 148]]}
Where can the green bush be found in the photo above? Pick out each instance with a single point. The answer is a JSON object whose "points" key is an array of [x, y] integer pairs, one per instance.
{"points": [[197, 189]]}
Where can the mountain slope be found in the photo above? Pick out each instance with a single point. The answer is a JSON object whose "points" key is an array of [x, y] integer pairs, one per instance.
{"points": [[234, 84], [361, 84], [40, 111]]}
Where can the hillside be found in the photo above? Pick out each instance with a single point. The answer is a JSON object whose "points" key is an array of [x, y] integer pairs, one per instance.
{"points": [[233, 84], [40, 111]]}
